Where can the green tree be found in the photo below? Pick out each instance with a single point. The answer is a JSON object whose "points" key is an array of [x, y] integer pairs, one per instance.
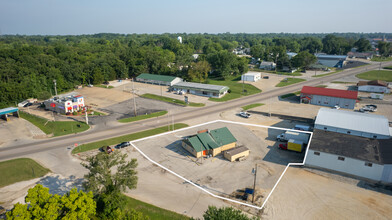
{"points": [[198, 72], [224, 213], [43, 205], [222, 63], [258, 51], [363, 45], [303, 59], [110, 175], [384, 48]]}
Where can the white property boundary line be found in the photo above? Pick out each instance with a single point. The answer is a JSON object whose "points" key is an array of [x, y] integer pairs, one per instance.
{"points": [[208, 192]]}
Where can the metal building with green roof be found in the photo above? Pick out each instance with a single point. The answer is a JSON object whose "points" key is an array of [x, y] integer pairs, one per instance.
{"points": [[209, 142], [158, 79]]}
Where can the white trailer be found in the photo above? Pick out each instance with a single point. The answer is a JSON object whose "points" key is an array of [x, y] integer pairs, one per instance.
{"points": [[298, 136]]}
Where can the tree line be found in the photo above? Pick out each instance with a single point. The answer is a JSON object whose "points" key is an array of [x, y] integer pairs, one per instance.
{"points": [[29, 64]]}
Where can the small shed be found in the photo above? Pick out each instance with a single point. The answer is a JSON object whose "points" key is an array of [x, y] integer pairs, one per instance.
{"points": [[236, 153], [251, 77]]}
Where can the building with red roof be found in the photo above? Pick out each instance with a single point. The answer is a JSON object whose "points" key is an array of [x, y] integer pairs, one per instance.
{"points": [[329, 97]]}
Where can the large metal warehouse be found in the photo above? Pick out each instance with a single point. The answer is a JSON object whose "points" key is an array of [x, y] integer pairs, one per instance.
{"points": [[358, 156], [328, 97], [158, 79], [201, 89], [353, 123]]}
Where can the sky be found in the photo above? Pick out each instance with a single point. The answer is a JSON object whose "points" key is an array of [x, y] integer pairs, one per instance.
{"points": [[74, 17]]}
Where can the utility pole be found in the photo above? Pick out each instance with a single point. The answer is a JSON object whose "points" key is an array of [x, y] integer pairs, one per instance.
{"points": [[254, 183], [86, 117], [276, 63], [55, 89], [134, 98]]}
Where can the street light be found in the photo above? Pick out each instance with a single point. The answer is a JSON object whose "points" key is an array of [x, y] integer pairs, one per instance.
{"points": [[254, 172], [55, 89]]}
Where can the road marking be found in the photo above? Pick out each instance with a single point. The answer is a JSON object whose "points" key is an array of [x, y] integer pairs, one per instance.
{"points": [[208, 192]]}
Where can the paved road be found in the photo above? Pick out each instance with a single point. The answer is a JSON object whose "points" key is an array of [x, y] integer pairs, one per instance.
{"points": [[93, 135]]}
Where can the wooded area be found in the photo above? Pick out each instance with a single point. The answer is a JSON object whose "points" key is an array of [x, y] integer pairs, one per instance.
{"points": [[29, 64]]}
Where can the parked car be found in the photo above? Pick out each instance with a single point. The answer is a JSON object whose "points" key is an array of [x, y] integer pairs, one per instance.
{"points": [[122, 145], [244, 114], [336, 107], [90, 85], [368, 108], [28, 104], [265, 77], [106, 149], [106, 83]]}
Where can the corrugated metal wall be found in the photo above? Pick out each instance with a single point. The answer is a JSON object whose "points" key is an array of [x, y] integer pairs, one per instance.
{"points": [[387, 174], [332, 101]]}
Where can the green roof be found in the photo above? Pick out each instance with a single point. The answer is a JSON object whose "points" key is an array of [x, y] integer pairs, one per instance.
{"points": [[207, 141], [196, 144], [211, 140], [163, 78], [222, 136]]}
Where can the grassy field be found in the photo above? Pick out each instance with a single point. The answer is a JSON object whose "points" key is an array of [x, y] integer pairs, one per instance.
{"points": [[141, 117], [381, 59], [235, 88], [104, 86], [376, 75], [171, 100], [13, 171], [153, 212], [290, 94], [97, 113], [327, 74], [247, 107], [289, 81], [57, 128], [128, 137]]}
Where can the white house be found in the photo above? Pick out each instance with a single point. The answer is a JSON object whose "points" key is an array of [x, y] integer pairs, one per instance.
{"points": [[353, 123], [373, 86], [353, 155], [251, 77], [267, 65]]}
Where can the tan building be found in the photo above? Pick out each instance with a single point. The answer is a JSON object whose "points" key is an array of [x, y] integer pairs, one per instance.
{"points": [[236, 153], [209, 142]]}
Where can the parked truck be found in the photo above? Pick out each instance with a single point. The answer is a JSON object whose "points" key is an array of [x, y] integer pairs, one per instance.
{"points": [[298, 136], [293, 145]]}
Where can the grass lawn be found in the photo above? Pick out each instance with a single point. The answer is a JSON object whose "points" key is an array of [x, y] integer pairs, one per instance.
{"points": [[289, 81], [57, 128], [171, 100], [153, 212], [235, 88], [322, 86], [247, 107], [376, 75], [290, 94], [141, 117], [128, 137], [97, 113], [326, 74], [13, 171], [381, 59], [104, 86]]}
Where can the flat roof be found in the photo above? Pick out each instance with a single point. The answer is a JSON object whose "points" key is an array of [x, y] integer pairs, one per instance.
{"points": [[162, 78], [347, 94], [371, 150], [252, 74], [355, 121], [236, 150], [8, 110], [328, 56], [200, 86]]}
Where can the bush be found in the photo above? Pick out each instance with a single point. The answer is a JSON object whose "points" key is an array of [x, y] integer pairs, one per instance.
{"points": [[75, 113], [43, 95]]}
